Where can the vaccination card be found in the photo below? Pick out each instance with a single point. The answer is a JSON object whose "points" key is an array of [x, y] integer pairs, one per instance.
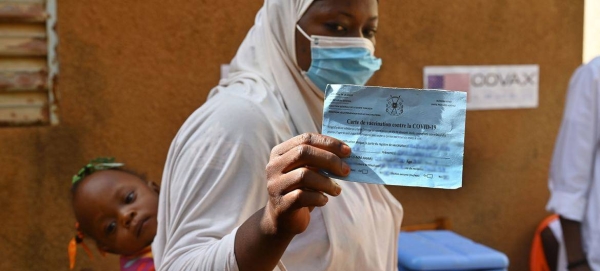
{"points": [[399, 136]]}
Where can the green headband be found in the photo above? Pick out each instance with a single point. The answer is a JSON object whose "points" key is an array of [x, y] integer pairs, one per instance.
{"points": [[100, 163]]}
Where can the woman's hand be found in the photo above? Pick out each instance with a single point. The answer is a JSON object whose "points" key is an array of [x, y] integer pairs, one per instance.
{"points": [[295, 185]]}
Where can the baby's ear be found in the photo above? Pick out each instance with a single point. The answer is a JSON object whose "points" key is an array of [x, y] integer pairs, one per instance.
{"points": [[154, 187]]}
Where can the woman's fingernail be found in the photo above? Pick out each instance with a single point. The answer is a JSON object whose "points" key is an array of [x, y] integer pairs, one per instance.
{"points": [[338, 188], [345, 168], [346, 149]]}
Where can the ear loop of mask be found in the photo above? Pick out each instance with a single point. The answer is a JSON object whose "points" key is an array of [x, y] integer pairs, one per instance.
{"points": [[304, 33], [304, 73]]}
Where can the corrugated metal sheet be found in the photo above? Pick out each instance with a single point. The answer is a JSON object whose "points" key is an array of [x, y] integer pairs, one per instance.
{"points": [[28, 63]]}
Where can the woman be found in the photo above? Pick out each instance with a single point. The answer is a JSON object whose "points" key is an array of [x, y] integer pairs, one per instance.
{"points": [[241, 180]]}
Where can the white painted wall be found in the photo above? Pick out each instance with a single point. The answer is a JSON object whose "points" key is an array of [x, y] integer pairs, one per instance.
{"points": [[591, 30]]}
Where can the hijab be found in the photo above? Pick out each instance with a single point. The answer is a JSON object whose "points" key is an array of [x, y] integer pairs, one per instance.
{"points": [[266, 70]]}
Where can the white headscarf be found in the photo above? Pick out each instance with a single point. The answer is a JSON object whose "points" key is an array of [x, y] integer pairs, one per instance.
{"points": [[266, 66]]}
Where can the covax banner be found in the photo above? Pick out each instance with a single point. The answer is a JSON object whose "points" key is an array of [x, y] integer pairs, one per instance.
{"points": [[488, 87]]}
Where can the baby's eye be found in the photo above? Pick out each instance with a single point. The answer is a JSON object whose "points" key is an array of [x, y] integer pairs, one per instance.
{"points": [[110, 228], [129, 198]]}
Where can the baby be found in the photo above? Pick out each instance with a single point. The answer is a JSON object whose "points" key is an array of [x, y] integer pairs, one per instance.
{"points": [[117, 209]]}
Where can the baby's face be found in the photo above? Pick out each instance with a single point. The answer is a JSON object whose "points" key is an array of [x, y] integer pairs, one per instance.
{"points": [[118, 210]]}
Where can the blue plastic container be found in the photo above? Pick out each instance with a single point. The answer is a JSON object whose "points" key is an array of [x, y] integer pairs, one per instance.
{"points": [[446, 251]]}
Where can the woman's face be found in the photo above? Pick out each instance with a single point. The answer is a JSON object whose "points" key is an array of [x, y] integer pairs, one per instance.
{"points": [[336, 18]]}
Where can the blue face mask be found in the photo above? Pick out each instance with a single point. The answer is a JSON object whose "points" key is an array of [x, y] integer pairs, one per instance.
{"points": [[341, 60]]}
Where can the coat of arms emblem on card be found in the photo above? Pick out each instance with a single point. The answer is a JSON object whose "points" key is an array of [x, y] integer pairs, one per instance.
{"points": [[394, 105]]}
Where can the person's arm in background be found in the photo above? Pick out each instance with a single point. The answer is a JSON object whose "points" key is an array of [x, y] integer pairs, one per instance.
{"points": [[573, 244], [572, 167]]}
